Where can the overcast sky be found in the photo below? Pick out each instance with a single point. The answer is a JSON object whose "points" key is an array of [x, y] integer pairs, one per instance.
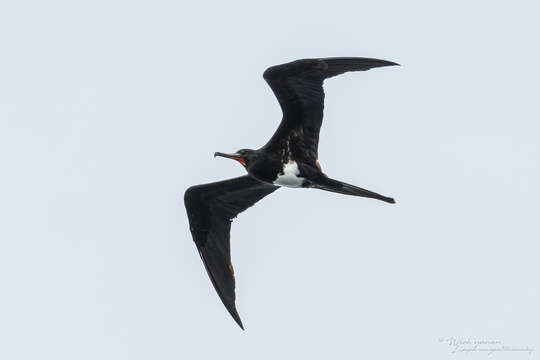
{"points": [[109, 110]]}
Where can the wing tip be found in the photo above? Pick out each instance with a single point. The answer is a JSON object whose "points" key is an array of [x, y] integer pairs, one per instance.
{"points": [[391, 63], [388, 63], [234, 313], [369, 63], [239, 322]]}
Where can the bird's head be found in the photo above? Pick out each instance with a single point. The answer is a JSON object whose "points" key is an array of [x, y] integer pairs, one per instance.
{"points": [[244, 156]]}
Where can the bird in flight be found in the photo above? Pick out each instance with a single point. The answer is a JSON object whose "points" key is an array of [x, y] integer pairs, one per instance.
{"points": [[289, 159]]}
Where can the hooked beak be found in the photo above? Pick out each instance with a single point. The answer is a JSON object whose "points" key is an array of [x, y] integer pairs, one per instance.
{"points": [[236, 157]]}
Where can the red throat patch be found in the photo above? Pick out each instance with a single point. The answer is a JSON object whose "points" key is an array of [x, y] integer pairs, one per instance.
{"points": [[240, 160]]}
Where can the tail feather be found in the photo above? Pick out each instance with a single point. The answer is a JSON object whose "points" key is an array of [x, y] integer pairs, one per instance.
{"points": [[348, 189]]}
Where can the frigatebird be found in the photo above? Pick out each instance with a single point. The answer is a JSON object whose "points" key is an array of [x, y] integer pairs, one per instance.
{"points": [[289, 159]]}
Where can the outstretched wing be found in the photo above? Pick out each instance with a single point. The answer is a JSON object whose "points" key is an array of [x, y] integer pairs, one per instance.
{"points": [[298, 86], [210, 209]]}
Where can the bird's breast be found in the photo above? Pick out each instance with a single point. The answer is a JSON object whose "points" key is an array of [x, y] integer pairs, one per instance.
{"points": [[289, 175]]}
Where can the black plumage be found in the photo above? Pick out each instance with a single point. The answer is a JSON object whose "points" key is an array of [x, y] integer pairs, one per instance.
{"points": [[290, 158], [298, 87], [211, 207]]}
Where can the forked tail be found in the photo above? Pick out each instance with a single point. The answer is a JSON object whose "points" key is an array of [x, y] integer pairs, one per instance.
{"points": [[325, 183]]}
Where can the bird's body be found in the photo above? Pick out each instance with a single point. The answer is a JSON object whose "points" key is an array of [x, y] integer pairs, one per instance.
{"points": [[290, 158]]}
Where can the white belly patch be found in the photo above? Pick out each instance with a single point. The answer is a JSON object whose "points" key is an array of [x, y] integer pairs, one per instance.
{"points": [[290, 177]]}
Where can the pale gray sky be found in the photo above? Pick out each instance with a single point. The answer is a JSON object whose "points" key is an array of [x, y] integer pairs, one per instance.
{"points": [[109, 110]]}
